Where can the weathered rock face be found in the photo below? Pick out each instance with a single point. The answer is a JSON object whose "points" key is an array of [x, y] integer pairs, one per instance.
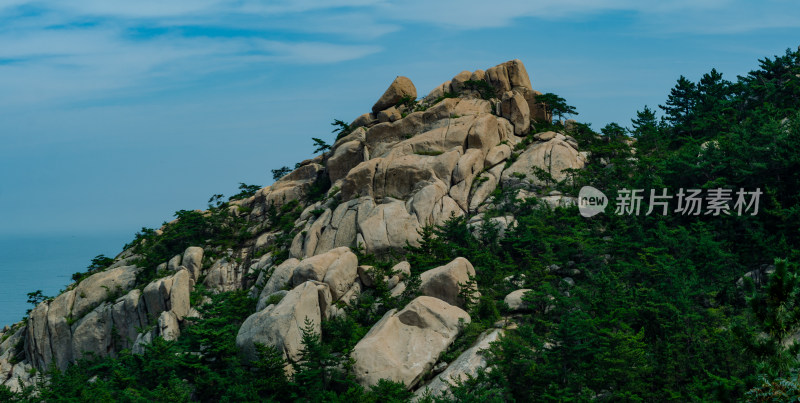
{"points": [[345, 158], [400, 87], [91, 291], [447, 282], [507, 76], [102, 315], [280, 278], [403, 345], [225, 275], [420, 170], [552, 156], [514, 107], [281, 325], [336, 268], [468, 364], [396, 175], [193, 260], [50, 335]]}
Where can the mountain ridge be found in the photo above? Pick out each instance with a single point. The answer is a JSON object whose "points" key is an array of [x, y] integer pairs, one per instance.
{"points": [[437, 225]]}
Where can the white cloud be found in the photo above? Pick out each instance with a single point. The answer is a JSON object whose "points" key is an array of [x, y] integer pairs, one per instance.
{"points": [[71, 49], [50, 55]]}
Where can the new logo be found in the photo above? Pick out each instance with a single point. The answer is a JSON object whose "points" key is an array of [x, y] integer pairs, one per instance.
{"points": [[591, 201]]}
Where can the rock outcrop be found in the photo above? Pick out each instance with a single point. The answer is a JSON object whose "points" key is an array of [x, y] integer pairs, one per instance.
{"points": [[448, 282], [281, 325], [405, 165], [551, 157], [405, 344], [401, 87], [441, 158], [337, 268], [103, 315]]}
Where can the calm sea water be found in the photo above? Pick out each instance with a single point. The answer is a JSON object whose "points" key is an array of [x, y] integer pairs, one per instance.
{"points": [[29, 263]]}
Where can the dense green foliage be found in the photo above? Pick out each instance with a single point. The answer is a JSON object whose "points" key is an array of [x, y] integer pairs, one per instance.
{"points": [[656, 313], [647, 307], [216, 227]]}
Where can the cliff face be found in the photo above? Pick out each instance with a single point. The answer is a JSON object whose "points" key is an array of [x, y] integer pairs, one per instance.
{"points": [[406, 164]]}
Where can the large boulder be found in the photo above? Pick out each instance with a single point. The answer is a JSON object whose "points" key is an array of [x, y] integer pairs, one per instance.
{"points": [[337, 268], [156, 295], [193, 260], [400, 87], [281, 278], [404, 345], [92, 334], [458, 82], [180, 293], [99, 287], [174, 263], [507, 76], [225, 275], [281, 325], [514, 300], [514, 107], [130, 315], [552, 156], [468, 364], [447, 282], [344, 158], [341, 274]]}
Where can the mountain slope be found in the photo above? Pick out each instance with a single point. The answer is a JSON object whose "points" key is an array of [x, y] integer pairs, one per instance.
{"points": [[433, 225]]}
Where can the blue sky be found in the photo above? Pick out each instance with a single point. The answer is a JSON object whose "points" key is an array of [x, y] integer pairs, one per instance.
{"points": [[114, 114]]}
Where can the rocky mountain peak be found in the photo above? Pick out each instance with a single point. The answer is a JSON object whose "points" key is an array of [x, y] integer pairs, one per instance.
{"points": [[406, 164]]}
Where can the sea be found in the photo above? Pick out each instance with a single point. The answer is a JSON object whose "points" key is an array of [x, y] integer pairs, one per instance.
{"points": [[46, 262]]}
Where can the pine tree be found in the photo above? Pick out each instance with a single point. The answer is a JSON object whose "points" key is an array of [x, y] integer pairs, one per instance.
{"points": [[775, 83], [320, 145], [555, 105], [646, 130], [680, 107], [317, 368], [714, 111]]}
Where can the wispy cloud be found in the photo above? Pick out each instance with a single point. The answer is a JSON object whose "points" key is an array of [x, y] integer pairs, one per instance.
{"points": [[75, 49], [51, 50]]}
